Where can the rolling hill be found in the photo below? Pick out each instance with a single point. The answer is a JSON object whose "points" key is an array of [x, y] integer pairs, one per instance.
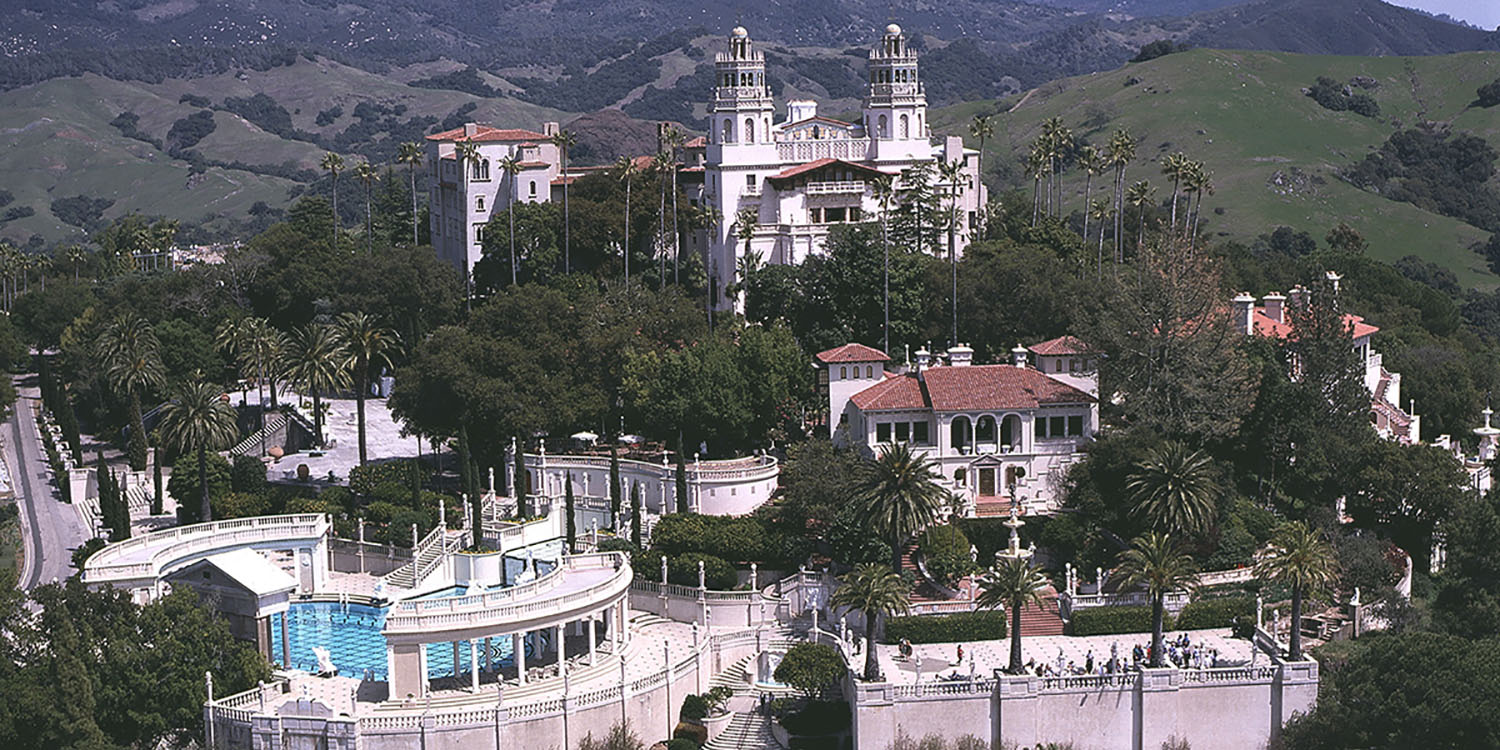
{"points": [[1273, 151]]}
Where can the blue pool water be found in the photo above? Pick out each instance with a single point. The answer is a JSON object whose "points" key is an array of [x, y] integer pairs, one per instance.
{"points": [[351, 633]]}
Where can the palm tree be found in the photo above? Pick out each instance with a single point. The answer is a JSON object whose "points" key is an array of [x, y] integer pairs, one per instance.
{"points": [[981, 127], [410, 154], [745, 221], [564, 140], [468, 157], [1200, 181], [673, 140], [1100, 210], [235, 337], [334, 163], [1139, 195], [1036, 166], [315, 362], [270, 345], [368, 176], [1089, 161], [365, 344], [1175, 167], [896, 495], [1301, 559], [198, 418], [1058, 139], [625, 166], [75, 255], [1013, 585], [952, 172], [877, 593], [1153, 560], [1173, 487], [1121, 152], [883, 189], [131, 355], [511, 166]]}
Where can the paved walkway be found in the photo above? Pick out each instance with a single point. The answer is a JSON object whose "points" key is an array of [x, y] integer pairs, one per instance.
{"points": [[50, 528], [383, 438], [941, 658]]}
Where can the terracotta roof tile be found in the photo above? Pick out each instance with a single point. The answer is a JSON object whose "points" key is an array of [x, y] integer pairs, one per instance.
{"points": [[486, 133], [1061, 345], [699, 142], [817, 163], [976, 387], [819, 118], [1265, 326], [852, 353]]}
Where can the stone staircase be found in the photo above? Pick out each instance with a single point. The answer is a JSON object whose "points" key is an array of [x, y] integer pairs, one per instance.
{"points": [[748, 730], [407, 576], [736, 677], [274, 422], [1043, 620]]}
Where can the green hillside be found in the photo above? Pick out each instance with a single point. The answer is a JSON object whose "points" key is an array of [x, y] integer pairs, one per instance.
{"points": [[59, 141], [1273, 151]]}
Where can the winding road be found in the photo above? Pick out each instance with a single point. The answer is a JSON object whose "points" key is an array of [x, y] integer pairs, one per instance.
{"points": [[50, 528]]}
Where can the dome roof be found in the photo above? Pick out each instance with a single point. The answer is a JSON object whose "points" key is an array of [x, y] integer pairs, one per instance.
{"points": [[740, 31], [893, 29]]}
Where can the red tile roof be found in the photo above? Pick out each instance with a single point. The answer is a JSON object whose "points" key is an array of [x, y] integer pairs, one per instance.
{"points": [[1265, 326], [532, 165], [487, 133], [820, 118], [1061, 345], [699, 142], [819, 163], [976, 387], [852, 353]]}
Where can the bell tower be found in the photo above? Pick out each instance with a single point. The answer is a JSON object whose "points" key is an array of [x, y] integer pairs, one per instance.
{"points": [[740, 113], [895, 111]]}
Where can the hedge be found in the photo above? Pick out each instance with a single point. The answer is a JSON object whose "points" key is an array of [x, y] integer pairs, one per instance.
{"points": [[1112, 620], [954, 628], [945, 551], [1215, 613]]}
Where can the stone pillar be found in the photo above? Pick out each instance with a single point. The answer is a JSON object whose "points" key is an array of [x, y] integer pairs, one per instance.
{"points": [[592, 617], [408, 676], [286, 649], [562, 650], [457, 672], [473, 665], [489, 659], [1157, 691], [518, 655]]}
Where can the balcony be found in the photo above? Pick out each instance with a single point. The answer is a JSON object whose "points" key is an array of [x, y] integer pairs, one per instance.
{"points": [[840, 187]]}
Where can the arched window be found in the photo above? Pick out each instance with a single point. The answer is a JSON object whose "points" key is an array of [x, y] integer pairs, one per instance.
{"points": [[816, 133], [884, 127], [905, 127], [843, 373], [749, 130], [533, 188], [1010, 433], [961, 435], [984, 434], [728, 131], [479, 203], [869, 369]]}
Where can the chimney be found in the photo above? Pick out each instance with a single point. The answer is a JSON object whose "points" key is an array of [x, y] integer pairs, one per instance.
{"points": [[1276, 307], [550, 129], [1297, 298], [1018, 356], [924, 360], [798, 110], [960, 356], [1244, 312], [471, 129], [1333, 277]]}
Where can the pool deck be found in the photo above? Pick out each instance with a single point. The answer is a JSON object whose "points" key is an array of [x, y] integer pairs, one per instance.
{"points": [[937, 659]]}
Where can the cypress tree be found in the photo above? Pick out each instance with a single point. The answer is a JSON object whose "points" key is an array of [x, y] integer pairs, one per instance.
{"points": [[522, 485], [135, 447], [67, 421], [122, 508], [156, 496], [614, 488], [572, 526], [635, 516], [682, 485]]}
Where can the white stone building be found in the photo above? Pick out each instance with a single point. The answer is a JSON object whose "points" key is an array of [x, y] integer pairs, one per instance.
{"points": [[463, 196], [807, 173], [991, 429]]}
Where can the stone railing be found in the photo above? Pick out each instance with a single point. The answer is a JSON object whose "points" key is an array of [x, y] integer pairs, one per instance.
{"points": [[161, 548], [1220, 577], [525, 601], [1068, 603], [840, 148], [841, 187]]}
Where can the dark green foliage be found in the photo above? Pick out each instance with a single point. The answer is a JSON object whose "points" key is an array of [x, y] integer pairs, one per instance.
{"points": [[188, 131], [363, 480], [1331, 94], [570, 523], [1159, 48], [183, 484], [521, 484], [959, 627], [157, 488], [248, 474], [682, 743], [945, 552], [635, 515], [811, 668], [89, 547], [815, 718], [694, 707], [718, 575], [193, 100], [1111, 620], [17, 212], [265, 113], [1489, 94], [1201, 614], [327, 116], [465, 79], [126, 122], [614, 488], [680, 482], [82, 211], [1435, 170]]}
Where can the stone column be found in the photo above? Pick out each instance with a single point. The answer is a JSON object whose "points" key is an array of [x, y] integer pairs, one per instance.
{"points": [[489, 659], [457, 671], [592, 617], [474, 665], [562, 650], [286, 649], [518, 655]]}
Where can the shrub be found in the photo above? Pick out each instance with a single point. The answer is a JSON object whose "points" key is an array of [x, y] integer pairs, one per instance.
{"points": [[363, 480], [248, 474], [694, 708], [81, 555], [818, 718], [718, 574], [945, 552], [810, 668], [1111, 620], [1214, 613], [954, 628], [183, 484], [694, 733], [1489, 94], [682, 743]]}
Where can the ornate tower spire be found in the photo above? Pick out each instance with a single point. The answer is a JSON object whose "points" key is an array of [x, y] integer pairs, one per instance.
{"points": [[896, 105], [742, 105]]}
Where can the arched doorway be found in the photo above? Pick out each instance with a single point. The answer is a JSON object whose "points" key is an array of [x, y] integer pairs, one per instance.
{"points": [[986, 437], [960, 435], [1010, 433]]}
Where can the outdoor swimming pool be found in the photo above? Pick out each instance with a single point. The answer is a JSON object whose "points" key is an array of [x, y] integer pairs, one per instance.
{"points": [[351, 633]]}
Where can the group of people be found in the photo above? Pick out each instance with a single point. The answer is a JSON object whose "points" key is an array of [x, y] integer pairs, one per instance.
{"points": [[1180, 652]]}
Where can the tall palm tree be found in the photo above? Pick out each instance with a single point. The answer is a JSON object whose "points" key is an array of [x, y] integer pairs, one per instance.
{"points": [[468, 157], [1300, 559], [1139, 196], [982, 127], [411, 154], [1059, 140], [745, 221], [673, 140], [896, 495], [1121, 153], [1100, 210], [883, 189], [365, 344], [1153, 560], [199, 419], [625, 166], [368, 176], [952, 173], [75, 255], [1200, 181], [254, 345], [564, 140], [511, 166], [1036, 167], [1012, 584], [877, 593], [270, 345], [315, 362], [1090, 162], [1173, 487], [334, 164], [131, 355], [1175, 168]]}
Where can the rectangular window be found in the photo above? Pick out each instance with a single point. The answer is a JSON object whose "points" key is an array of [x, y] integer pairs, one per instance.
{"points": [[883, 432], [750, 181], [816, 215], [919, 433], [1072, 365], [1055, 429], [1039, 427], [903, 432], [478, 233], [1075, 426], [854, 214]]}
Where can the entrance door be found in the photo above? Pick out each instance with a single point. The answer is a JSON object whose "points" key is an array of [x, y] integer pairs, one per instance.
{"points": [[987, 481]]}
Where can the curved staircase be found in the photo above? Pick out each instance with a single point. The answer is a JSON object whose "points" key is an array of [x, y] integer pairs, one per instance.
{"points": [[748, 730]]}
